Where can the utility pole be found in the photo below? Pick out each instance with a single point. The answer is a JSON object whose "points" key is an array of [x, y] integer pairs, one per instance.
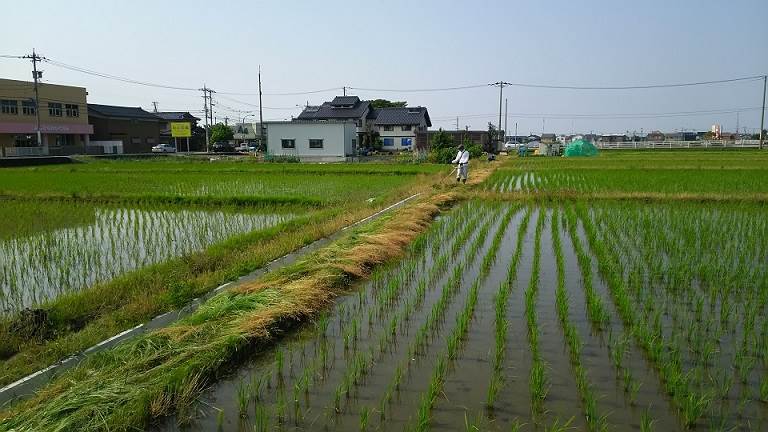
{"points": [[457, 123], [501, 85], [344, 90], [226, 121], [154, 104], [762, 115], [208, 114], [36, 76], [506, 117], [262, 144]]}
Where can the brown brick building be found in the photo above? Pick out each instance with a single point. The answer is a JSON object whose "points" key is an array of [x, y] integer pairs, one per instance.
{"points": [[138, 129], [63, 117]]}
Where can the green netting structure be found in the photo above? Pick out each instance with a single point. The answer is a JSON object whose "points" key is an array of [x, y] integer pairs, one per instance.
{"points": [[580, 147]]}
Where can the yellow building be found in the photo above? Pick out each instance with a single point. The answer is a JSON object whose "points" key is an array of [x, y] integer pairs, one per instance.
{"points": [[63, 117]]}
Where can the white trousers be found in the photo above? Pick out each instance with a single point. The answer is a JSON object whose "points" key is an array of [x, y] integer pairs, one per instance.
{"points": [[461, 171]]}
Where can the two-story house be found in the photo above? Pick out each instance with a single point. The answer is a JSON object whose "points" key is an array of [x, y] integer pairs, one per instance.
{"points": [[398, 127], [341, 109]]}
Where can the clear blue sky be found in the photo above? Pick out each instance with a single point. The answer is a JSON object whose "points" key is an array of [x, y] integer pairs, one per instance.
{"points": [[309, 45]]}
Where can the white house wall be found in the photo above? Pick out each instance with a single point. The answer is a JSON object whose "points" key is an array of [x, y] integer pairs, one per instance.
{"points": [[337, 139]]}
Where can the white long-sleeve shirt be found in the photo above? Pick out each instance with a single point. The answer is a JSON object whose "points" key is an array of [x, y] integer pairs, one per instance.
{"points": [[462, 157]]}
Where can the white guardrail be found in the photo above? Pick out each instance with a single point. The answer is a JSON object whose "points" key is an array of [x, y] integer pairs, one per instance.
{"points": [[650, 145], [24, 151]]}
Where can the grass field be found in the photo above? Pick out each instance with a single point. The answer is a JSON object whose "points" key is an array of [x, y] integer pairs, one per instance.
{"points": [[625, 292]]}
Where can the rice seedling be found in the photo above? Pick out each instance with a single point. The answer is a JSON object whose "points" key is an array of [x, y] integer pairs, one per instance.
{"points": [[260, 419], [243, 398]]}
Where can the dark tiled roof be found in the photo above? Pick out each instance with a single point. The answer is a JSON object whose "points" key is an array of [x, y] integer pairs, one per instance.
{"points": [[344, 100], [402, 116], [328, 111], [121, 112], [182, 115]]}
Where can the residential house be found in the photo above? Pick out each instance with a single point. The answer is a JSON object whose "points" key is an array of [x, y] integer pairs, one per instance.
{"points": [[136, 129], [655, 136], [613, 138], [342, 109], [397, 127], [245, 132], [310, 140], [548, 138], [63, 119]]}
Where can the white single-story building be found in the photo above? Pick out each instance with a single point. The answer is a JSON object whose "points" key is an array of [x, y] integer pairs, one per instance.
{"points": [[324, 141]]}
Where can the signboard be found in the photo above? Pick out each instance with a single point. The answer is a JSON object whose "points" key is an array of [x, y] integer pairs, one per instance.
{"points": [[180, 130]]}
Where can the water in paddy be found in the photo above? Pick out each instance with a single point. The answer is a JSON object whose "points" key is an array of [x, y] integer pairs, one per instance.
{"points": [[373, 361], [49, 249]]}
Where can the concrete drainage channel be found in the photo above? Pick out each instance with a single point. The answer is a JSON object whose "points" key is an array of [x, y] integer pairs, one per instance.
{"points": [[28, 385]]}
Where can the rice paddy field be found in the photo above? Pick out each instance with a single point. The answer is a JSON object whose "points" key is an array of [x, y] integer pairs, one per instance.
{"points": [[90, 249], [627, 292]]}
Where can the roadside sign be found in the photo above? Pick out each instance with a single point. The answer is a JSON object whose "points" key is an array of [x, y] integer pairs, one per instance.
{"points": [[180, 130]]}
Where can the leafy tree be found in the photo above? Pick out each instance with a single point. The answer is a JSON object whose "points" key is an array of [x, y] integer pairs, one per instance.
{"points": [[441, 140], [383, 103], [493, 136], [221, 132]]}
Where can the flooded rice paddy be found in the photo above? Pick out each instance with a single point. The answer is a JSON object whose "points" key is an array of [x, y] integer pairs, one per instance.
{"points": [[55, 248], [609, 316]]}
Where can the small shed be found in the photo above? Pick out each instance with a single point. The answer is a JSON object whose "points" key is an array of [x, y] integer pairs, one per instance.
{"points": [[321, 141]]}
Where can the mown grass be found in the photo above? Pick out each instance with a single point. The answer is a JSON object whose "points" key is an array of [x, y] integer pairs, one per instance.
{"points": [[162, 372]]}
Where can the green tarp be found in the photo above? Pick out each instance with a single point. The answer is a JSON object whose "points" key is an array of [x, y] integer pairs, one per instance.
{"points": [[580, 148]]}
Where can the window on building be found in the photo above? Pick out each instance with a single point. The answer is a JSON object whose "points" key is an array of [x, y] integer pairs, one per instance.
{"points": [[315, 143], [151, 140], [359, 123], [28, 107], [354, 142], [388, 128], [9, 107], [288, 143], [72, 110], [406, 142], [388, 142], [54, 109], [135, 140], [65, 140], [406, 128], [25, 141]]}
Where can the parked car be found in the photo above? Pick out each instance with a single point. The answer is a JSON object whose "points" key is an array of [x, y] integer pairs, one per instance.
{"points": [[163, 148], [510, 146], [222, 147], [246, 148]]}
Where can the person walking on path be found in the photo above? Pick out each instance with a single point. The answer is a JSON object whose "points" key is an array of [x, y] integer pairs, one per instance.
{"points": [[462, 159]]}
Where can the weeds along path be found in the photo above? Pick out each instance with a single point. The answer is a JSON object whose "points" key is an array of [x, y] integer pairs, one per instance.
{"points": [[164, 371]]}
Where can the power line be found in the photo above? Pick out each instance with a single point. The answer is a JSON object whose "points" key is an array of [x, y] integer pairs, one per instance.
{"points": [[117, 78], [637, 87], [424, 90], [603, 115]]}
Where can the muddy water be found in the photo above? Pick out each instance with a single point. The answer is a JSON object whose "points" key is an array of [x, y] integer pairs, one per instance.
{"points": [[563, 398], [466, 388], [651, 395]]}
